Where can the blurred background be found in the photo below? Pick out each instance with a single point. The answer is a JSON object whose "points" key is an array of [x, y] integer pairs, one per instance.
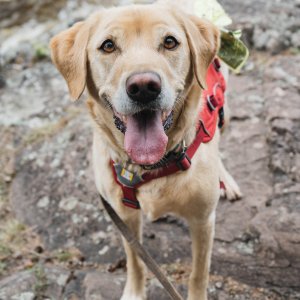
{"points": [[55, 240]]}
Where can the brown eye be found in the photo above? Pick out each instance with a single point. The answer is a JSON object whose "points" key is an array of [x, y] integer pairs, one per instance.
{"points": [[170, 43], [108, 46]]}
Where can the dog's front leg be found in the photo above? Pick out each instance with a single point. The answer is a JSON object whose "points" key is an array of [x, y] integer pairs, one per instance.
{"points": [[202, 234], [135, 283]]}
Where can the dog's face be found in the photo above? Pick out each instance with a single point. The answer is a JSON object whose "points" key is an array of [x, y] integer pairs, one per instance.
{"points": [[139, 62]]}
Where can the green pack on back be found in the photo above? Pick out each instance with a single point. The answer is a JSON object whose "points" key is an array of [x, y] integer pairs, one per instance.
{"points": [[232, 51]]}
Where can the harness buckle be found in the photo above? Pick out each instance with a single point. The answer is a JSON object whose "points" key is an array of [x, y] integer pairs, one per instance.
{"points": [[131, 203], [212, 102], [183, 162]]}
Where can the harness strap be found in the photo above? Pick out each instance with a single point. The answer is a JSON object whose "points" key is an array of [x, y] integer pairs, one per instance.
{"points": [[214, 97], [129, 194]]}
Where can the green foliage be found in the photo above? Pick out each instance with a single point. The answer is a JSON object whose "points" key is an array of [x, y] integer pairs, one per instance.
{"points": [[41, 284], [63, 256], [3, 267], [41, 51]]}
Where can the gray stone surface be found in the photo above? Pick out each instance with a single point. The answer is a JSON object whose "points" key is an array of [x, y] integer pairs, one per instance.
{"points": [[269, 25], [28, 285], [45, 164]]}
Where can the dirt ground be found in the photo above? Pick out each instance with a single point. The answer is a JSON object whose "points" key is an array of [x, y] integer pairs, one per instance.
{"points": [[55, 240]]}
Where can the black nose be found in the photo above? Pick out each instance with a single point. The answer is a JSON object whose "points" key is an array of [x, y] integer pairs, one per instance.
{"points": [[143, 87]]}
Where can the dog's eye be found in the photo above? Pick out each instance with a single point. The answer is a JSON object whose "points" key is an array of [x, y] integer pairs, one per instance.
{"points": [[170, 43], [108, 46]]}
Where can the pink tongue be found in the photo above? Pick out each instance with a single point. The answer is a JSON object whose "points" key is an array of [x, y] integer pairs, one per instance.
{"points": [[145, 138]]}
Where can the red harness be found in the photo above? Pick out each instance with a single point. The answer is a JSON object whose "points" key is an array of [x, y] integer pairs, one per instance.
{"points": [[211, 114]]}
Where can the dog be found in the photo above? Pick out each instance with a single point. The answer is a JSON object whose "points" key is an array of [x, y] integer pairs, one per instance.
{"points": [[143, 66]]}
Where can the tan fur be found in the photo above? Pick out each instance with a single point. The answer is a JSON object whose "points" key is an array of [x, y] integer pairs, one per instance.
{"points": [[192, 194], [70, 57]]}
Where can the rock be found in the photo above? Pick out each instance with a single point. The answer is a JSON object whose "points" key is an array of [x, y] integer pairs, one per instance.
{"points": [[15, 12], [43, 202], [28, 285], [39, 22], [279, 73], [24, 296], [33, 89], [103, 286], [21, 43], [256, 247], [62, 280], [2, 82], [103, 250], [270, 40], [267, 26], [68, 203], [99, 285], [295, 39]]}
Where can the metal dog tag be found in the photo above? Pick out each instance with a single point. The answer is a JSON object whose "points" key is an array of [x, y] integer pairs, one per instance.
{"points": [[126, 177]]}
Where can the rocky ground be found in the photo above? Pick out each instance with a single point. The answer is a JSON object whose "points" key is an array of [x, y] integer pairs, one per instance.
{"points": [[55, 240]]}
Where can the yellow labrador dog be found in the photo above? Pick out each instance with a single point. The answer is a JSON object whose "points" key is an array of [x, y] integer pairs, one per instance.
{"points": [[141, 65]]}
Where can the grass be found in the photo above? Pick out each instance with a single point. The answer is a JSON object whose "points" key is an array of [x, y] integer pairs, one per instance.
{"points": [[41, 51], [42, 133], [50, 130], [3, 192], [3, 268], [295, 51], [11, 237], [63, 256], [5, 250], [41, 284], [12, 231]]}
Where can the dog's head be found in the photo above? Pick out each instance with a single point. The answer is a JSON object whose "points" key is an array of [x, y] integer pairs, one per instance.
{"points": [[140, 62]]}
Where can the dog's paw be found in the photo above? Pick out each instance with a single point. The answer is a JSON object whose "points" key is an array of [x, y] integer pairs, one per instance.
{"points": [[232, 191]]}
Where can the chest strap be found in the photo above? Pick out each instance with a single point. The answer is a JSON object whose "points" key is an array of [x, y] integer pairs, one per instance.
{"points": [[181, 163]]}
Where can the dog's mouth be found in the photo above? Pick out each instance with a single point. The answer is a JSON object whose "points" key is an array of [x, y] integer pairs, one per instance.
{"points": [[145, 134]]}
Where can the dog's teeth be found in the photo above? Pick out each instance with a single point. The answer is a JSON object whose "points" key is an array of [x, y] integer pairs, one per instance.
{"points": [[124, 119]]}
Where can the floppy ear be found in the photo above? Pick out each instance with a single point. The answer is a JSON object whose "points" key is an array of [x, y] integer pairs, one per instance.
{"points": [[204, 41], [68, 52]]}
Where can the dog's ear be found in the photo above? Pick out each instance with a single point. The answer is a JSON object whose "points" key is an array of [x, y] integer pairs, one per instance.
{"points": [[204, 41], [68, 52]]}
